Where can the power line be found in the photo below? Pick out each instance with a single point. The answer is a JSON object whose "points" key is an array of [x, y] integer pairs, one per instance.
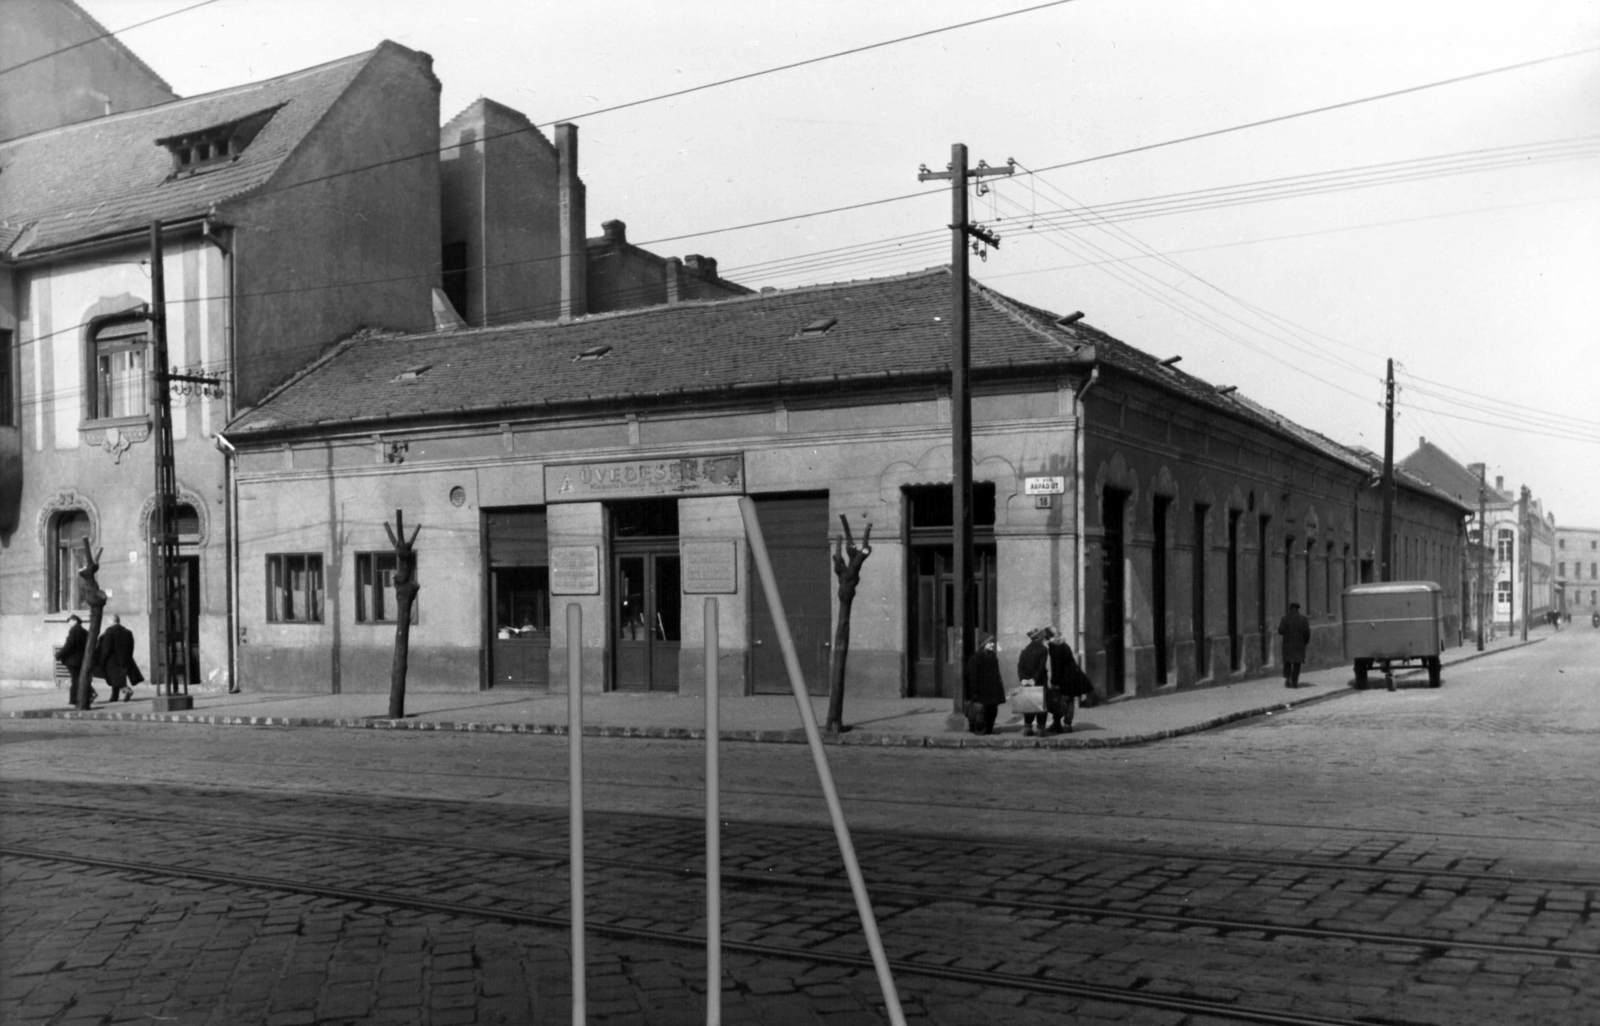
{"points": [[1325, 109], [667, 96], [103, 35]]}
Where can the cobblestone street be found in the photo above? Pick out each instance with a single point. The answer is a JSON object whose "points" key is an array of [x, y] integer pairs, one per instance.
{"points": [[1424, 856]]}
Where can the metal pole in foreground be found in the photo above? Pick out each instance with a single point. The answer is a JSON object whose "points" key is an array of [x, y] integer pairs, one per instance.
{"points": [[808, 718], [575, 802], [713, 824]]}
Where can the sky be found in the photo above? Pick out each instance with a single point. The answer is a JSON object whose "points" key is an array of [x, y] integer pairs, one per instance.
{"points": [[1453, 229]]}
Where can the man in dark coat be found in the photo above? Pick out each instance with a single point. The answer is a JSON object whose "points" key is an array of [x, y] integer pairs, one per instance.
{"points": [[115, 657], [72, 653], [985, 687], [1296, 631], [1067, 680], [1033, 667]]}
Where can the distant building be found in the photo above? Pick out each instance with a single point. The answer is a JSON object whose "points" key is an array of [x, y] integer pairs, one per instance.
{"points": [[1160, 522], [1522, 542], [68, 69], [1577, 578]]}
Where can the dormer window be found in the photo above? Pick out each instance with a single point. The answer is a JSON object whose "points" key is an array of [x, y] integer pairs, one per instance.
{"points": [[216, 145]]}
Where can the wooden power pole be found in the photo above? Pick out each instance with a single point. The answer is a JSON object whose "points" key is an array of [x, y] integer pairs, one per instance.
{"points": [[1386, 530], [961, 401]]}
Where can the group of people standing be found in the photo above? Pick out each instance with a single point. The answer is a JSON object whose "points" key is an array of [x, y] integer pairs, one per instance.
{"points": [[112, 659], [1046, 662]]}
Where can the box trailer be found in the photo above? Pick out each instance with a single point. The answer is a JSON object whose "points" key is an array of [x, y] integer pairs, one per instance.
{"points": [[1393, 624]]}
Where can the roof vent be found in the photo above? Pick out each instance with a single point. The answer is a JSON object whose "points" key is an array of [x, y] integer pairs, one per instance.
{"points": [[411, 373], [592, 353], [1227, 389], [218, 144], [1070, 319], [1170, 361], [820, 326]]}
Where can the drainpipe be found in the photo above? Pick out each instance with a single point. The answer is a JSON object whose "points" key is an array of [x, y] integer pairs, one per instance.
{"points": [[1078, 490], [230, 487]]}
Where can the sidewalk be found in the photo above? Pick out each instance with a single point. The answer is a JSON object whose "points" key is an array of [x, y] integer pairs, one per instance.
{"points": [[913, 722]]}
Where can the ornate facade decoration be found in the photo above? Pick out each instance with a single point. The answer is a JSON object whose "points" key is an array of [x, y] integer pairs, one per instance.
{"points": [[65, 501], [186, 497]]}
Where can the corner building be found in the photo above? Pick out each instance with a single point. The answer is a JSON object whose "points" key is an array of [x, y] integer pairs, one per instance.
{"points": [[600, 460]]}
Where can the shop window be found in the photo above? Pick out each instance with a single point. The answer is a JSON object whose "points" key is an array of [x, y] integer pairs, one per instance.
{"points": [[376, 601], [66, 559], [119, 354], [294, 588]]}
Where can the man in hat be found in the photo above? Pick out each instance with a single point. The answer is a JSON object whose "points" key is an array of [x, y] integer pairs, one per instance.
{"points": [[1296, 631], [72, 652], [115, 657], [1033, 667]]}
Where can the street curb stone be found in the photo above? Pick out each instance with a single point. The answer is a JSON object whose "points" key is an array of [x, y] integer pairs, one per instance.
{"points": [[790, 736]]}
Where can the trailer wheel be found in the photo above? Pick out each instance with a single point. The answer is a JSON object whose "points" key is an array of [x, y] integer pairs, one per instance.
{"points": [[1433, 672], [1362, 665]]}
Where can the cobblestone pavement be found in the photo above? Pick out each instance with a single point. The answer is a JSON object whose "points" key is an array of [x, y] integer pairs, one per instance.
{"points": [[277, 876]]}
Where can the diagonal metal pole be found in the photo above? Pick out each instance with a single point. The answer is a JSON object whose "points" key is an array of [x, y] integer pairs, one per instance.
{"points": [[808, 717]]}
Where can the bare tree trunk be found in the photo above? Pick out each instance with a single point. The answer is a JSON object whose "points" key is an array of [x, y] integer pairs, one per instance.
{"points": [[97, 609], [849, 573], [405, 590]]}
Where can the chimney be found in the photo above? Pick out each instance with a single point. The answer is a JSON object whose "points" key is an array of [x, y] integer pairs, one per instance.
{"points": [[674, 280], [704, 266], [1422, 441], [574, 216], [616, 232], [1499, 483]]}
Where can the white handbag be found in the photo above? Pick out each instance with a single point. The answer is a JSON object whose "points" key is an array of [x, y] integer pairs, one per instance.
{"points": [[1027, 699]]}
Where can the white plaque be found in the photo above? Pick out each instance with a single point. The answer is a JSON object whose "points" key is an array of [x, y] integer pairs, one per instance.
{"points": [[574, 569], [1044, 486], [709, 568]]}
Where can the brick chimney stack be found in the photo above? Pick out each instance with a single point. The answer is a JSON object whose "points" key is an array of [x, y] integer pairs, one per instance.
{"points": [[574, 218]]}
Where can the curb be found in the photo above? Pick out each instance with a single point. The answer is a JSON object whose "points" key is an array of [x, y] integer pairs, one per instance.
{"points": [[795, 735]]}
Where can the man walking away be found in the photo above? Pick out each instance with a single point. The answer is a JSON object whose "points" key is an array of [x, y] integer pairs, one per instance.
{"points": [[115, 655], [1296, 631], [72, 653]]}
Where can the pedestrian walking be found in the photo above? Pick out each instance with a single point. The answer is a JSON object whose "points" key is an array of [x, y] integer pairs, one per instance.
{"points": [[1296, 631], [1033, 668], [114, 656], [986, 689], [1068, 682], [71, 655]]}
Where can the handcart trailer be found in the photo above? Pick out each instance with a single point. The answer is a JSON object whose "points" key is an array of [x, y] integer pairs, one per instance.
{"points": [[1393, 624]]}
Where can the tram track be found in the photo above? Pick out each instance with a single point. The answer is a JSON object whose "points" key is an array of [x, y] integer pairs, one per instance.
{"points": [[1038, 982], [552, 856], [1154, 852]]}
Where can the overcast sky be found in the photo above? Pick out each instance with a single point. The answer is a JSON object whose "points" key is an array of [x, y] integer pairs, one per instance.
{"points": [[1474, 261]]}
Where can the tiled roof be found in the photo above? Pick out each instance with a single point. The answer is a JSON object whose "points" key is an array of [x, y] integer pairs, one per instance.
{"points": [[886, 330], [102, 177], [98, 31]]}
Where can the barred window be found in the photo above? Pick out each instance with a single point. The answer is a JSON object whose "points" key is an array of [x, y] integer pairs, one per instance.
{"points": [[294, 588], [376, 601]]}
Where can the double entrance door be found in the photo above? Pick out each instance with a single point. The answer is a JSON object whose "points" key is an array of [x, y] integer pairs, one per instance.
{"points": [[934, 642], [647, 603]]}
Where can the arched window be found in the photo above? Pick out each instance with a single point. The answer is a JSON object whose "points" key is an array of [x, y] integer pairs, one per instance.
{"points": [[67, 533]]}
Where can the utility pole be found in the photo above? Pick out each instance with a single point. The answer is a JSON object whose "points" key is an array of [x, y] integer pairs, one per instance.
{"points": [[1483, 541], [1386, 530], [1526, 530], [171, 647], [961, 401]]}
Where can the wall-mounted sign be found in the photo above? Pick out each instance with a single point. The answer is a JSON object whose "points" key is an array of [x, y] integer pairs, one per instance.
{"points": [[1044, 486], [574, 569], [709, 568], [641, 479]]}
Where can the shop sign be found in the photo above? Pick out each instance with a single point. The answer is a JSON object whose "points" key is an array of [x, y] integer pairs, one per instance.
{"points": [[709, 568], [574, 569], [642, 479], [1044, 486]]}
